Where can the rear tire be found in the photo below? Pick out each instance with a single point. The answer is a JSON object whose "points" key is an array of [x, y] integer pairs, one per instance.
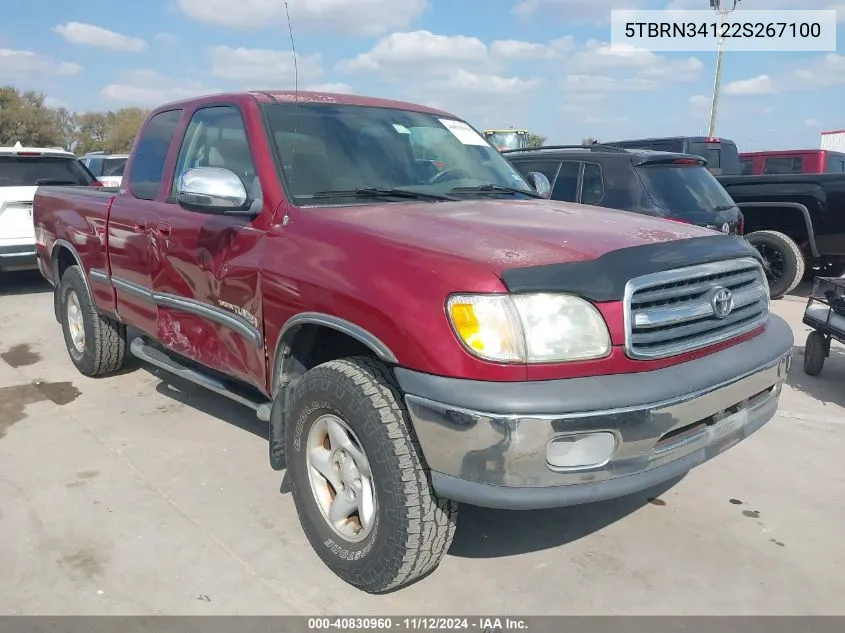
{"points": [[815, 351], [783, 260], [402, 529], [95, 344]]}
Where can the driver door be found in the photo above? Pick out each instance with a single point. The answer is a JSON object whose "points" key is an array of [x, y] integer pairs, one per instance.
{"points": [[207, 268]]}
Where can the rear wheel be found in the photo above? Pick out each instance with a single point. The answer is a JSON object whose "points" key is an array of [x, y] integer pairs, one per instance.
{"points": [[783, 261], [359, 480], [815, 351], [95, 344]]}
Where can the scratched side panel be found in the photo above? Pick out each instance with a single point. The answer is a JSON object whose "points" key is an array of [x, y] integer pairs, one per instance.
{"points": [[213, 261]]}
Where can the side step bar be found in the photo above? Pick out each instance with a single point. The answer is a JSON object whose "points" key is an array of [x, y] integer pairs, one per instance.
{"points": [[161, 360]]}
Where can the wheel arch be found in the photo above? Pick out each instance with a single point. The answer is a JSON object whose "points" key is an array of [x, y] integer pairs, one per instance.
{"points": [[795, 206], [62, 256]]}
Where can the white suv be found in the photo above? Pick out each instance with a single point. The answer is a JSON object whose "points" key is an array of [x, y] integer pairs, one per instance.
{"points": [[22, 170], [107, 168]]}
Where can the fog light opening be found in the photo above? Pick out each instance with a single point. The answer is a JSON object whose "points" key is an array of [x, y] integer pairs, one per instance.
{"points": [[581, 451]]}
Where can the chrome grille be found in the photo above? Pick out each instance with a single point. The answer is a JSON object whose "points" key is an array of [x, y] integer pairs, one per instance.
{"points": [[681, 310]]}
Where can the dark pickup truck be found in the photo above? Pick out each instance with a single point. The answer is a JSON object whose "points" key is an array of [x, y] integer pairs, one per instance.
{"points": [[795, 221], [416, 323]]}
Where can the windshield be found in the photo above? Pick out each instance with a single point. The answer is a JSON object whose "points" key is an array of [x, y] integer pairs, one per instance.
{"points": [[505, 140], [688, 192], [31, 171], [113, 167], [327, 148]]}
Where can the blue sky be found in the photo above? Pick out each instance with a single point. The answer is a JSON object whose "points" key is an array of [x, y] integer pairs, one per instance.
{"points": [[543, 65]]}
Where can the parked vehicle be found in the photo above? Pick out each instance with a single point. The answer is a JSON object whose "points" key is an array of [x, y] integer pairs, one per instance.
{"points": [[672, 186], [795, 222], [721, 154], [825, 315], [108, 168], [22, 169], [507, 139], [800, 161], [413, 340]]}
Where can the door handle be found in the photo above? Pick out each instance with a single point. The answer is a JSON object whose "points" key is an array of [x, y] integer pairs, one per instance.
{"points": [[163, 229], [140, 225]]}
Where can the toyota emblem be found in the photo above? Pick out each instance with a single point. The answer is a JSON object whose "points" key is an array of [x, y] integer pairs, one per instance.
{"points": [[722, 301]]}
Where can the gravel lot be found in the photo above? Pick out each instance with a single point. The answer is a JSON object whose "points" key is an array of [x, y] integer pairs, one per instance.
{"points": [[138, 494]]}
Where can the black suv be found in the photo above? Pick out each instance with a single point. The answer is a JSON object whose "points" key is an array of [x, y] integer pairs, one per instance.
{"points": [[673, 186]]}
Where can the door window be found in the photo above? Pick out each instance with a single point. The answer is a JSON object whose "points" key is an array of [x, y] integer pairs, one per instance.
{"points": [[592, 187], [216, 137], [546, 167], [783, 165], [565, 187], [747, 167], [151, 154]]}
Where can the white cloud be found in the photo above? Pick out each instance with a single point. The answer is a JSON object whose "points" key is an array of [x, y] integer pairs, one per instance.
{"points": [[574, 10], [517, 50], [604, 84], [460, 81], [806, 5], [361, 17], [15, 63], [419, 49], [262, 66], [90, 35], [759, 85], [600, 56], [811, 123], [149, 88]]}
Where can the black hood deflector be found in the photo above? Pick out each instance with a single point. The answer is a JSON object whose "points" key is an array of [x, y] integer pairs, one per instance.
{"points": [[604, 278]]}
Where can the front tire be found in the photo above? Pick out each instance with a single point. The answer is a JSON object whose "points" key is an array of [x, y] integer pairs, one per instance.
{"points": [[783, 260], [815, 351], [95, 344], [358, 478]]}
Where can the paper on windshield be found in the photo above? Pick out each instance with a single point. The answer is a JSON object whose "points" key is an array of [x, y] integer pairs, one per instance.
{"points": [[401, 128], [464, 133]]}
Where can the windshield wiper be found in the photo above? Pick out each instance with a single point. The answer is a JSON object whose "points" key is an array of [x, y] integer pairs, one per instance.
{"points": [[491, 188], [724, 207], [382, 192]]}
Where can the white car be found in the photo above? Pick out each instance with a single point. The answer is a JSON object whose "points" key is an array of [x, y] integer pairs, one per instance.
{"points": [[22, 170], [107, 168]]}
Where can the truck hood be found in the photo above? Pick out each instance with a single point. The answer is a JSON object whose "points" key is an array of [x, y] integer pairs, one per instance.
{"points": [[504, 234]]}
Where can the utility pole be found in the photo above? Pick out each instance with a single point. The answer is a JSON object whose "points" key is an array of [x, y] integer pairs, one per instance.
{"points": [[717, 84]]}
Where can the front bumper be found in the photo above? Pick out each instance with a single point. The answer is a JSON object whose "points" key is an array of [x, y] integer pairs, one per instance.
{"points": [[486, 443], [18, 257]]}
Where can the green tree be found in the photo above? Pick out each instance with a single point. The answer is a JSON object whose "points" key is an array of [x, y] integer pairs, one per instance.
{"points": [[535, 140], [25, 118]]}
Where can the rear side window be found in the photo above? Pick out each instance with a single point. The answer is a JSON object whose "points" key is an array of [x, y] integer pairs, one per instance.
{"points": [[784, 165], [151, 154], [835, 165], [592, 187], [687, 192], [31, 171], [722, 156], [747, 168]]}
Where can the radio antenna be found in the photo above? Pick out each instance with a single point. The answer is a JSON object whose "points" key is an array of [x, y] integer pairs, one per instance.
{"points": [[293, 49], [295, 94]]}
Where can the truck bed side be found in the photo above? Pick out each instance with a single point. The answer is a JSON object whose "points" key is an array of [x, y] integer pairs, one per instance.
{"points": [[70, 229]]}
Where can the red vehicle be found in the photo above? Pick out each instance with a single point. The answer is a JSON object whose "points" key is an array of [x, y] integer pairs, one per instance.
{"points": [[415, 336], [799, 161]]}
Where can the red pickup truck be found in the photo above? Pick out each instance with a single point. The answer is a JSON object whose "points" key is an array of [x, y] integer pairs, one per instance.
{"points": [[418, 325]]}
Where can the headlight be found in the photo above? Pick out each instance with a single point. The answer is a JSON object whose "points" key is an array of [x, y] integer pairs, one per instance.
{"points": [[530, 328]]}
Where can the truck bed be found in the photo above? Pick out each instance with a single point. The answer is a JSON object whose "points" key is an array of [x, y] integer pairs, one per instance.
{"points": [[73, 214]]}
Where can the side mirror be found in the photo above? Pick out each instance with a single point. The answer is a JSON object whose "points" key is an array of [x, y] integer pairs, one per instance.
{"points": [[212, 190], [541, 183]]}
